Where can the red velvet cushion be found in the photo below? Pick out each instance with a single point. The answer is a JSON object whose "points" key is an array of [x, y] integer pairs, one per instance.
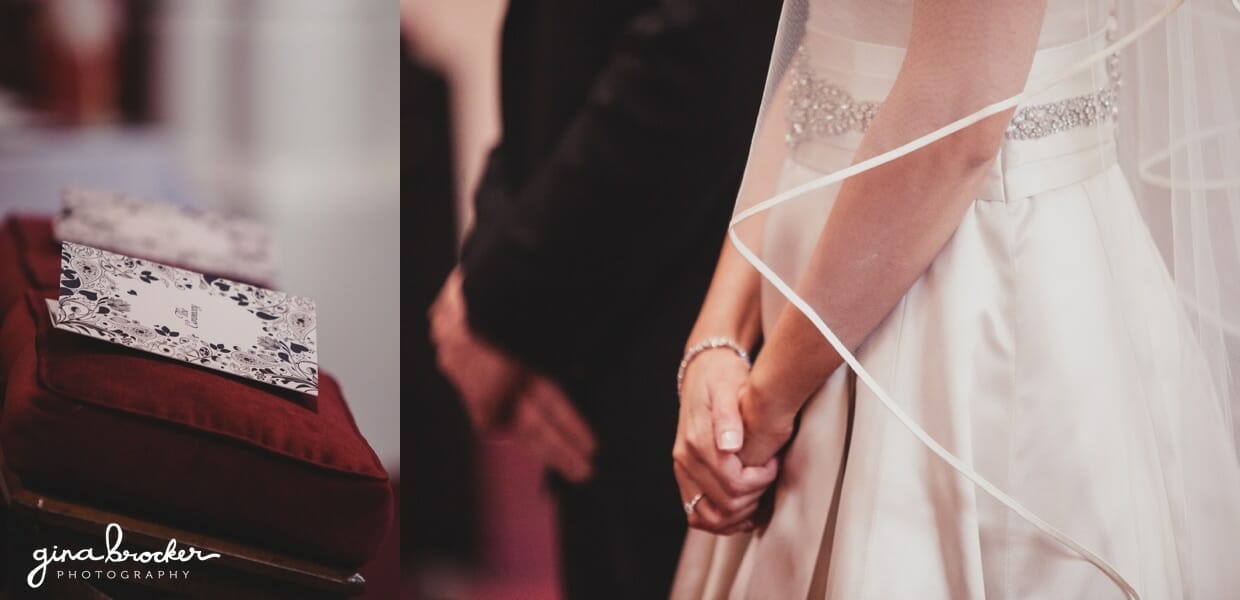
{"points": [[190, 447], [16, 334], [29, 258]]}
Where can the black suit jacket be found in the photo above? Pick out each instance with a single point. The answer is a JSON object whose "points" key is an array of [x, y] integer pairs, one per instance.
{"points": [[601, 213]]}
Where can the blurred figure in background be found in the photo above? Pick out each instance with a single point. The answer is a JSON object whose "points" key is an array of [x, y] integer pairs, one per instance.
{"points": [[564, 322], [78, 47], [79, 62]]}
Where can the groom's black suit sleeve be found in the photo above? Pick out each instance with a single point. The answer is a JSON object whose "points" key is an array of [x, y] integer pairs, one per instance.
{"points": [[643, 176]]}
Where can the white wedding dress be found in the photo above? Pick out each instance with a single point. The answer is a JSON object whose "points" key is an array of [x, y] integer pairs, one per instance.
{"points": [[1039, 348]]}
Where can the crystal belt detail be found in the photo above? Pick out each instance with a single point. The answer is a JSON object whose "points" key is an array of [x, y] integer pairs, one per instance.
{"points": [[819, 108]]}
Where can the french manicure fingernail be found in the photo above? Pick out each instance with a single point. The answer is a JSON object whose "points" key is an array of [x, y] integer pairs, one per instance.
{"points": [[729, 440]]}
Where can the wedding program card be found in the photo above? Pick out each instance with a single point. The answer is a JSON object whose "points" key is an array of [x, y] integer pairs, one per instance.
{"points": [[260, 334], [166, 233]]}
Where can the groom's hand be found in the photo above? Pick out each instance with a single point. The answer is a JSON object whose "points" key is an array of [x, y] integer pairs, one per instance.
{"points": [[547, 425], [484, 376]]}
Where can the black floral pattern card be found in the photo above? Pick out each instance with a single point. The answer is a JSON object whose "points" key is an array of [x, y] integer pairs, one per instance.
{"points": [[167, 233], [249, 331]]}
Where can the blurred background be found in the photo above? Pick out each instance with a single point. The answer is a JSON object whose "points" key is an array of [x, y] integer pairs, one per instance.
{"points": [[286, 111]]}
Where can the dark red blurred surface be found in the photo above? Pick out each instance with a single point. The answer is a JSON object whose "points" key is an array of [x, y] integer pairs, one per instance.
{"points": [[383, 573], [519, 554]]}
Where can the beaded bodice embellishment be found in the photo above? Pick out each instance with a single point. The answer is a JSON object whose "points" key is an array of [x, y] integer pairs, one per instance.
{"points": [[818, 108], [1041, 120]]}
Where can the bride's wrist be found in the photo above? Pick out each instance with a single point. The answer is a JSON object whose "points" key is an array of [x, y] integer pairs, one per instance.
{"points": [[710, 345], [766, 405]]}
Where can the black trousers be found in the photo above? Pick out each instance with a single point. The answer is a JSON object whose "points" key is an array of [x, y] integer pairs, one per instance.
{"points": [[619, 540]]}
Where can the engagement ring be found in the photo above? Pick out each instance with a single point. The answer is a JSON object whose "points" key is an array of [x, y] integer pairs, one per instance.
{"points": [[692, 504]]}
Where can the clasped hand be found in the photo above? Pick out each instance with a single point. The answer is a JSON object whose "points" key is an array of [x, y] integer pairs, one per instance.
{"points": [[726, 445], [501, 395]]}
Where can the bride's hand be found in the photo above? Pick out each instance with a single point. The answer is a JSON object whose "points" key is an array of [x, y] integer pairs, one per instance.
{"points": [[708, 435], [768, 426]]}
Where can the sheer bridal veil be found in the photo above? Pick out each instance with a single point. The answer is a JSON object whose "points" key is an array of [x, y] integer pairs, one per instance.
{"points": [[1153, 87]]}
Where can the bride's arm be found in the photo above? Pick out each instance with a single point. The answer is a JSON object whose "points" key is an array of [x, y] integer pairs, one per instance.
{"points": [[709, 430], [890, 222]]}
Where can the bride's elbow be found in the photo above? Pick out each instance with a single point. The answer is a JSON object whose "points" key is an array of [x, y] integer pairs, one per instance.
{"points": [[974, 148]]}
